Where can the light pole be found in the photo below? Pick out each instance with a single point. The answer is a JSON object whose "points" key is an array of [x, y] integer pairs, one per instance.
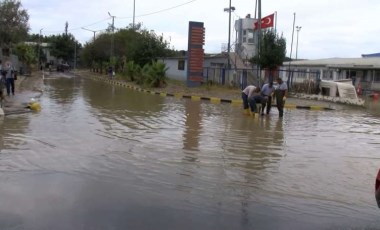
{"points": [[112, 39], [39, 48], [134, 10], [94, 31], [229, 10], [298, 30]]}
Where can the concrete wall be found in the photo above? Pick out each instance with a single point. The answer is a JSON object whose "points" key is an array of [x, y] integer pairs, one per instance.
{"points": [[173, 72]]}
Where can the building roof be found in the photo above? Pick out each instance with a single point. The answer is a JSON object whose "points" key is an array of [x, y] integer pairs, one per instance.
{"points": [[371, 55], [353, 63]]}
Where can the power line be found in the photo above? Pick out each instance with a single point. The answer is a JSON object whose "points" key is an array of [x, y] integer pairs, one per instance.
{"points": [[78, 28], [159, 11], [142, 15]]}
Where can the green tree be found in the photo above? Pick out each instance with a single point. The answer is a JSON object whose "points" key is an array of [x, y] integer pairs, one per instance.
{"points": [[63, 46], [132, 70], [272, 51], [13, 23], [130, 44], [155, 74], [26, 53]]}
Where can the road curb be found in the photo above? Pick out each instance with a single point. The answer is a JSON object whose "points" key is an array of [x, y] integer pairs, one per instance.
{"points": [[214, 100]]}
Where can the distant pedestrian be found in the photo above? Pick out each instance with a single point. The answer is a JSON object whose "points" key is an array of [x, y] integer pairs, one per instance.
{"points": [[267, 92], [110, 72], [245, 94], [9, 78], [2, 82], [281, 92]]}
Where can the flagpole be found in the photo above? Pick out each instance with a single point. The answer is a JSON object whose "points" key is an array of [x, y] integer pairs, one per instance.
{"points": [[259, 38], [275, 22]]}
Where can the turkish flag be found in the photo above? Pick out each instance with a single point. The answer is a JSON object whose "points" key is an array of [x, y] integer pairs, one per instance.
{"points": [[265, 22]]}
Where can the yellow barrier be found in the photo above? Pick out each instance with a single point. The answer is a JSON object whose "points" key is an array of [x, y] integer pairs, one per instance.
{"points": [[215, 100], [195, 98], [236, 102], [178, 95], [316, 107], [290, 106], [163, 94]]}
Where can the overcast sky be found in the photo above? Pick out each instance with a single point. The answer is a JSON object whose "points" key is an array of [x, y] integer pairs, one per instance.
{"points": [[330, 28]]}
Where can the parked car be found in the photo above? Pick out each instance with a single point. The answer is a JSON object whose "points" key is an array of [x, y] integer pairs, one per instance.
{"points": [[63, 67]]}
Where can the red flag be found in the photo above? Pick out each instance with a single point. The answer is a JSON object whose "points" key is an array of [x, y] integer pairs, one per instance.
{"points": [[265, 22]]}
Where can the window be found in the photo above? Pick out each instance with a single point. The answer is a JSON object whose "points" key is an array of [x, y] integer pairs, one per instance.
{"points": [[250, 36], [181, 64], [377, 76]]}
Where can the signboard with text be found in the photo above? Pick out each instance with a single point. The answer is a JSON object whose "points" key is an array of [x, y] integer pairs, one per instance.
{"points": [[195, 54]]}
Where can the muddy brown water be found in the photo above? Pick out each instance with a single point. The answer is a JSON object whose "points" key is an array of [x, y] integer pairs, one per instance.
{"points": [[104, 157]]}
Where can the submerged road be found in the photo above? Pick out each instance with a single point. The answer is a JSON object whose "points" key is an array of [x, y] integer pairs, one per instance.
{"points": [[100, 156]]}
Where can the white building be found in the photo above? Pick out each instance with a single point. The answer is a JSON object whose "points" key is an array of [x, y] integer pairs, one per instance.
{"points": [[245, 45], [364, 71]]}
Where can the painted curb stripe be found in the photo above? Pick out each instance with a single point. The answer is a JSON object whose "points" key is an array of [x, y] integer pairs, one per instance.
{"points": [[195, 98], [215, 100], [226, 100], [314, 107], [178, 95], [290, 106], [235, 102]]}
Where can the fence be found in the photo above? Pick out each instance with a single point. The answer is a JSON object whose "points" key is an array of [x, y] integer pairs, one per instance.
{"points": [[239, 78], [298, 81]]}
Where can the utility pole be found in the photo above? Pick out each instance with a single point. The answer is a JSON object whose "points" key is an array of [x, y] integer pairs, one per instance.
{"points": [[298, 30], [113, 37], [291, 50], [229, 35], [75, 56], [94, 31], [134, 11], [39, 48], [229, 10]]}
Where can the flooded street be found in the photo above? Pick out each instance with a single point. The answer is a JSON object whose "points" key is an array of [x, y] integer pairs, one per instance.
{"points": [[100, 156]]}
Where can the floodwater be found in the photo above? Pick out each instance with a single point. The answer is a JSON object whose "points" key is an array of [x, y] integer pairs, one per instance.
{"points": [[104, 157]]}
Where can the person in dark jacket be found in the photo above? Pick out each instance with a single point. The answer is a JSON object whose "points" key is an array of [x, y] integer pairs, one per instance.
{"points": [[280, 93], [9, 79]]}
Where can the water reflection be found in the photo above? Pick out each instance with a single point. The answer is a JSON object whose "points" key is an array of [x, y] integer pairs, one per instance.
{"points": [[193, 126], [65, 89], [116, 98], [373, 106]]}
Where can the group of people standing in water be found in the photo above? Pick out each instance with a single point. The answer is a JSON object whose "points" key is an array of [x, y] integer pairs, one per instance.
{"points": [[253, 95]]}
